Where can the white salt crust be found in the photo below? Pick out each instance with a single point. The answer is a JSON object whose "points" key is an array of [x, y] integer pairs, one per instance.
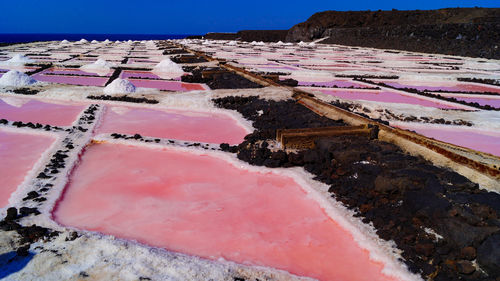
{"points": [[119, 86], [15, 78]]}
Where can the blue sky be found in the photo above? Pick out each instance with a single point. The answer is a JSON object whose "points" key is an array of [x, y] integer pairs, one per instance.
{"points": [[184, 16]]}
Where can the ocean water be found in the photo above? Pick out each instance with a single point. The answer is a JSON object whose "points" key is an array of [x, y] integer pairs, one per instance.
{"points": [[30, 37]]}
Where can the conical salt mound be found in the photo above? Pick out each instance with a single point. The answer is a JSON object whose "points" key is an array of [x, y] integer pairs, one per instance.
{"points": [[101, 67], [168, 69], [17, 59], [168, 66], [16, 79], [119, 86], [83, 41]]}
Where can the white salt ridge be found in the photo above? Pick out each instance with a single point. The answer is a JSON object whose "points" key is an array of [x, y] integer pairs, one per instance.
{"points": [[16, 79], [119, 86], [18, 59], [232, 43]]}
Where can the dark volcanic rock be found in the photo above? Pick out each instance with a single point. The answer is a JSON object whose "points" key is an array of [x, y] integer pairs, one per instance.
{"points": [[457, 31], [488, 255], [219, 79], [435, 216]]}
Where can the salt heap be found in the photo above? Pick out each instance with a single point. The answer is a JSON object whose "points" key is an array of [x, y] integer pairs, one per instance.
{"points": [[232, 43], [16, 79], [83, 41], [106, 41], [119, 86], [168, 69], [101, 67], [94, 41], [64, 42], [18, 59]]}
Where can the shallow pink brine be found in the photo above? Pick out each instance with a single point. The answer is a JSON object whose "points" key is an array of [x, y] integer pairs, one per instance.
{"points": [[19, 151], [35, 111], [205, 206], [480, 140], [173, 124], [385, 96]]}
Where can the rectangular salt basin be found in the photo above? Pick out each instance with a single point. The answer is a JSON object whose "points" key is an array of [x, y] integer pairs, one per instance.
{"points": [[383, 96], [168, 85], [476, 139], [43, 112], [335, 83], [490, 100], [19, 151], [73, 71], [442, 85], [173, 124], [127, 74], [71, 80], [205, 206]]}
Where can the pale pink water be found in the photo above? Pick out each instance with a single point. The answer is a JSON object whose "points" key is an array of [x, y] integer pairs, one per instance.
{"points": [[382, 96], [71, 80], [475, 139], [140, 74], [482, 101], [18, 153], [72, 71], [32, 110], [444, 86], [204, 206], [337, 83], [168, 85], [173, 124]]}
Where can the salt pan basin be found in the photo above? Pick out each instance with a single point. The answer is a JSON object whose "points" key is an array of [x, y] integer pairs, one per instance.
{"points": [[173, 124], [382, 96], [46, 112], [19, 151], [480, 140], [205, 206]]}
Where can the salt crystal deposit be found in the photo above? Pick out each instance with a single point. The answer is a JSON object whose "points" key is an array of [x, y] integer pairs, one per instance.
{"points": [[119, 86], [16, 78]]}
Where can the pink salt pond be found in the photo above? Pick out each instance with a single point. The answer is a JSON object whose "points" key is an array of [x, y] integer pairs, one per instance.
{"points": [[480, 140], [127, 74], [173, 124], [442, 86], [35, 111], [176, 86], [205, 206], [336, 83], [71, 80], [19, 151], [383, 96]]}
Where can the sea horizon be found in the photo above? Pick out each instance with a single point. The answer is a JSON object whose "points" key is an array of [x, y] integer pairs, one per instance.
{"points": [[32, 37]]}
